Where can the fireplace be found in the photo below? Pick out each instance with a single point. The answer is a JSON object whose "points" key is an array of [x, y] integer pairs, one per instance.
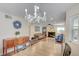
{"points": [[51, 34]]}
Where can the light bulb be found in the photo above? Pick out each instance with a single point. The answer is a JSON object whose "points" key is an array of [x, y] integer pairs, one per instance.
{"points": [[44, 13], [25, 10]]}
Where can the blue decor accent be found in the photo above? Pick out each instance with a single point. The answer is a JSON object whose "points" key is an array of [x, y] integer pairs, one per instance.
{"points": [[59, 37], [17, 24]]}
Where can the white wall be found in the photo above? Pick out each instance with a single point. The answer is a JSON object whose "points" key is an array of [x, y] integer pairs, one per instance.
{"points": [[8, 31], [72, 11]]}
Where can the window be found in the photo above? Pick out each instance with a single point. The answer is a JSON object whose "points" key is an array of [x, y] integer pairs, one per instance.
{"points": [[75, 28], [37, 28], [60, 29]]}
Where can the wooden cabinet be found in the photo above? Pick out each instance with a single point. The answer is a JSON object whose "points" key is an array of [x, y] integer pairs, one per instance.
{"points": [[13, 42]]}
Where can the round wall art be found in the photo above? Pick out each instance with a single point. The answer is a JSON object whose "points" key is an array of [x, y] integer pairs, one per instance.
{"points": [[17, 24]]}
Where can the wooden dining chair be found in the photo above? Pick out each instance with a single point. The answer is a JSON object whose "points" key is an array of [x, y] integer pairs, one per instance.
{"points": [[67, 50]]}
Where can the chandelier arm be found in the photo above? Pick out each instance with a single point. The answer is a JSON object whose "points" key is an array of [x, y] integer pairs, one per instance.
{"points": [[36, 17]]}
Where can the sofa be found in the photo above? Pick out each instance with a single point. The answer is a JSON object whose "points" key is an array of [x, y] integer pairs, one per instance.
{"points": [[37, 37]]}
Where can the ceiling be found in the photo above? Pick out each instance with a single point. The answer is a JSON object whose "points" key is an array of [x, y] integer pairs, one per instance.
{"points": [[55, 11]]}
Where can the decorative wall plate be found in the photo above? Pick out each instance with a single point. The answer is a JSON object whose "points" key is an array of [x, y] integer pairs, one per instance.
{"points": [[17, 24]]}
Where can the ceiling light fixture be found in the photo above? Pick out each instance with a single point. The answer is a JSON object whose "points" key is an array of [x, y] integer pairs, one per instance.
{"points": [[35, 17]]}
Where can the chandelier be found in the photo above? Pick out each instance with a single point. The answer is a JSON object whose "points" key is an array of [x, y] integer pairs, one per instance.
{"points": [[35, 18]]}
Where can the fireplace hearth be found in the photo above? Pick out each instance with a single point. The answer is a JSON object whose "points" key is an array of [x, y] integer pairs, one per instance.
{"points": [[51, 34]]}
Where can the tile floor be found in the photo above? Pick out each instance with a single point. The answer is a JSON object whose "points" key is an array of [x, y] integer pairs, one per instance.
{"points": [[45, 47]]}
